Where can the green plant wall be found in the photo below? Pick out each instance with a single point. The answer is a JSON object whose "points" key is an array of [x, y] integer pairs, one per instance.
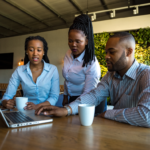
{"points": [[142, 50]]}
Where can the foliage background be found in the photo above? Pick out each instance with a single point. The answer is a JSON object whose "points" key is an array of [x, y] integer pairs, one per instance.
{"points": [[142, 50]]}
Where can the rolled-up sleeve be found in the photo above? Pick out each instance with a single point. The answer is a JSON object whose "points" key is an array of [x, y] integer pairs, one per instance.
{"points": [[12, 86], [55, 89]]}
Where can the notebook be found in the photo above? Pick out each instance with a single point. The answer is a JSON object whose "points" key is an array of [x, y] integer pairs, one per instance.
{"points": [[15, 119]]}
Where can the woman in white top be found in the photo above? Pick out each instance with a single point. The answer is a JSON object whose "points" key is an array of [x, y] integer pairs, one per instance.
{"points": [[81, 69]]}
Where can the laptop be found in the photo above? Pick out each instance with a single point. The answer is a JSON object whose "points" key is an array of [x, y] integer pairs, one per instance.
{"points": [[15, 119]]}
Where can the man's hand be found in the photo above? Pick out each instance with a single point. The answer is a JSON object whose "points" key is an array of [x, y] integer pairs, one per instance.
{"points": [[52, 110], [101, 115], [31, 105], [65, 100], [9, 104]]}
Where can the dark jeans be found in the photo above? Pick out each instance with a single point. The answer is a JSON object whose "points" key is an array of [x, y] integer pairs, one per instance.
{"points": [[102, 107], [72, 98], [98, 109]]}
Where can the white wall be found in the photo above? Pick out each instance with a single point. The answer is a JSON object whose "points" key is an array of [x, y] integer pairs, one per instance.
{"points": [[58, 41], [122, 24]]}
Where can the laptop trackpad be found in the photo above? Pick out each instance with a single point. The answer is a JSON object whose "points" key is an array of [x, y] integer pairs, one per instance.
{"points": [[31, 114]]}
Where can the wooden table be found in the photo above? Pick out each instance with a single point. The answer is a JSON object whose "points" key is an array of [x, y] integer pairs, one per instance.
{"points": [[67, 134]]}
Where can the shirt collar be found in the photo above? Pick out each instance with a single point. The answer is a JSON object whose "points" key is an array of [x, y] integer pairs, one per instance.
{"points": [[27, 66], [79, 58], [131, 73]]}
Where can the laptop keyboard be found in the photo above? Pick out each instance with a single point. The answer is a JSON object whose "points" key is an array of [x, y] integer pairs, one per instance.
{"points": [[18, 117]]}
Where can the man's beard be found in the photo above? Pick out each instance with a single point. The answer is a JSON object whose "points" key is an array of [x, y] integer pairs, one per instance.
{"points": [[120, 64]]}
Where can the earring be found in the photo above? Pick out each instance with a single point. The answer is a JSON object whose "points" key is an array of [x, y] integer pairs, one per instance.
{"points": [[27, 53], [43, 54]]}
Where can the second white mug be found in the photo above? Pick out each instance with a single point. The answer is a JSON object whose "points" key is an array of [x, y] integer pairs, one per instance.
{"points": [[86, 114]]}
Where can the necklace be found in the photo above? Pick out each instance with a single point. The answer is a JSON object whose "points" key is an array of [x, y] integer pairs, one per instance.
{"points": [[37, 70]]}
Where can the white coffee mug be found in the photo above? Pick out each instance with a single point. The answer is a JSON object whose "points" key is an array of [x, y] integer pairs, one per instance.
{"points": [[86, 114], [21, 102]]}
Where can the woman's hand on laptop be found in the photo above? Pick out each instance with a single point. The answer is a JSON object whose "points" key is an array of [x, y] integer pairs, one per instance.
{"points": [[52, 110], [9, 104], [31, 105]]}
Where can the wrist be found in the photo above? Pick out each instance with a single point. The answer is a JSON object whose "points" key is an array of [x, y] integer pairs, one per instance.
{"points": [[68, 109], [47, 103], [44, 104], [4, 103], [65, 112], [38, 105]]}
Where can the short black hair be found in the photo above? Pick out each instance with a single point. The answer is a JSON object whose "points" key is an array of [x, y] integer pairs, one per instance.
{"points": [[123, 36], [45, 57], [83, 23]]}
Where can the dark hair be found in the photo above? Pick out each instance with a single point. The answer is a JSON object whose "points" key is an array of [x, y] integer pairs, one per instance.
{"points": [[123, 36], [45, 57], [83, 23]]}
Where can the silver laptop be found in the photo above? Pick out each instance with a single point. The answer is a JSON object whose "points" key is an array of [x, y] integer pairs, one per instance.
{"points": [[15, 119]]}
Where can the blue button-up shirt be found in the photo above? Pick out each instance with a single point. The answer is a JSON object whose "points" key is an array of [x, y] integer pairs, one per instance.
{"points": [[129, 94], [46, 87]]}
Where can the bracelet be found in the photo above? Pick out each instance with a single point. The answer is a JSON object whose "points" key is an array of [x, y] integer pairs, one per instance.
{"points": [[69, 110]]}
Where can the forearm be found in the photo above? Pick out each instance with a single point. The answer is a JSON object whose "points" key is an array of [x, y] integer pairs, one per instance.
{"points": [[8, 103], [90, 84], [44, 103], [94, 97], [74, 106], [137, 116]]}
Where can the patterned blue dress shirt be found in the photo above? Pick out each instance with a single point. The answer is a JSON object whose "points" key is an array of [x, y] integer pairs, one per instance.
{"points": [[129, 94], [46, 87]]}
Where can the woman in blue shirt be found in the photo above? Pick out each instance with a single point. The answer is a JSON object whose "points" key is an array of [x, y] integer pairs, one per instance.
{"points": [[39, 79]]}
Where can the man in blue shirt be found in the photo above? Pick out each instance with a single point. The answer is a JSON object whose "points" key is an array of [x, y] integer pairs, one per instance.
{"points": [[127, 83]]}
